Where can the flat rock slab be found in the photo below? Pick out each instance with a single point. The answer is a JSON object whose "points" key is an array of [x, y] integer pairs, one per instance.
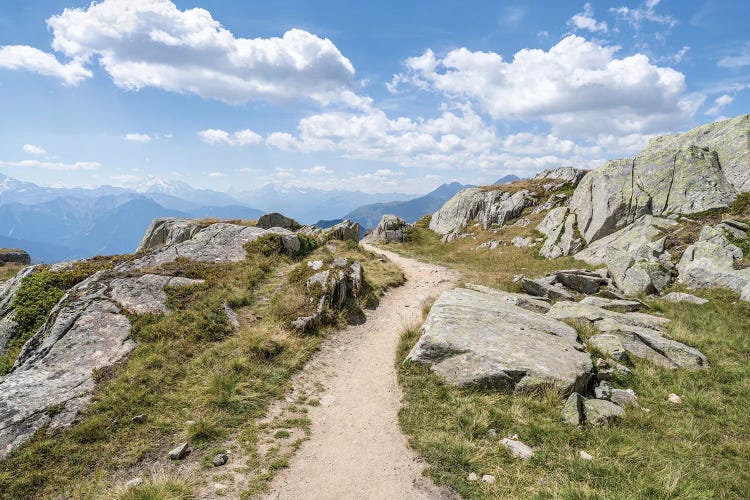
{"points": [[684, 297], [472, 338], [617, 305]]}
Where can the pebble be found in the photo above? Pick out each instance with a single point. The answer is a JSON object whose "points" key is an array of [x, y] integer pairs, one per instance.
{"points": [[139, 419], [492, 434], [488, 478], [179, 451], [674, 399], [586, 456], [220, 459], [473, 477]]}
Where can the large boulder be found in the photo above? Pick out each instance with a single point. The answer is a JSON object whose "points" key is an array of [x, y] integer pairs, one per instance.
{"points": [[685, 173], [168, 231], [275, 219], [344, 231], [710, 262], [635, 256], [566, 175], [86, 331], [490, 208], [473, 338], [391, 228], [632, 334], [15, 256], [559, 228]]}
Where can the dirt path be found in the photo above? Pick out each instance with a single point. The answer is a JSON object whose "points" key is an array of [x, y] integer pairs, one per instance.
{"points": [[356, 449]]}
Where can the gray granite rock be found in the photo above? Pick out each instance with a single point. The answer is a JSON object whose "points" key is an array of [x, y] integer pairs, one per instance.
{"points": [[391, 228], [475, 338], [684, 297], [601, 412]]}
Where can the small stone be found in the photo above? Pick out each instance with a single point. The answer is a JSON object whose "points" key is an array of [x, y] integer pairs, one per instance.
{"points": [[315, 265], [220, 459], [136, 481], [220, 487], [603, 390], [514, 436], [189, 422], [139, 419], [517, 448], [623, 397], [488, 478], [473, 477], [180, 451], [674, 399], [585, 456], [601, 363], [601, 411], [572, 412], [492, 434]]}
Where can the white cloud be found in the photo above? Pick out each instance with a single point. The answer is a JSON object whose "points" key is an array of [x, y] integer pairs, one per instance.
{"points": [[719, 104], [34, 150], [318, 170], [152, 43], [678, 56], [579, 87], [738, 60], [585, 20], [79, 165], [216, 174], [17, 57], [138, 137], [238, 138], [646, 12]]}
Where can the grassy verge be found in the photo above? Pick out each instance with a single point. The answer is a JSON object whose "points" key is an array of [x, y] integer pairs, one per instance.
{"points": [[671, 451], [10, 269], [192, 375]]}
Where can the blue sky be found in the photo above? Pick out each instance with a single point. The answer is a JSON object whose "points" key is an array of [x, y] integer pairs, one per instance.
{"points": [[377, 96]]}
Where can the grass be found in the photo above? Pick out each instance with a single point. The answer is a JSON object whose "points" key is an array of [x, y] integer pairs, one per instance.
{"points": [[9, 270], [494, 268], [193, 376], [668, 452]]}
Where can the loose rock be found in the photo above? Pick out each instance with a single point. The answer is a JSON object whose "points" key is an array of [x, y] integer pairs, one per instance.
{"points": [[517, 448], [220, 459], [180, 451]]}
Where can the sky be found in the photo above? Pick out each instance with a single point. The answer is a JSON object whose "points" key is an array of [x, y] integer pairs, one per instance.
{"points": [[385, 96]]}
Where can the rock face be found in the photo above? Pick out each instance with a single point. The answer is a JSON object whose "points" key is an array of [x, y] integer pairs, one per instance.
{"points": [[8, 325], [559, 227], [344, 231], [635, 256], [168, 231], [489, 208], [631, 334], [685, 173], [391, 228], [568, 175], [14, 255], [275, 219], [471, 338], [88, 329], [710, 262]]}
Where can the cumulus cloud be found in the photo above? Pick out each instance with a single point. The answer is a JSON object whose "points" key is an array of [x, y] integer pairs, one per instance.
{"points": [[458, 139], [34, 150], [152, 43], [22, 57], [318, 170], [79, 165], [216, 174], [579, 87], [585, 20], [238, 138], [645, 12], [719, 104], [138, 137]]}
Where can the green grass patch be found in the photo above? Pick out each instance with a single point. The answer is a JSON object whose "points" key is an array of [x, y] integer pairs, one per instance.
{"points": [[668, 452]]}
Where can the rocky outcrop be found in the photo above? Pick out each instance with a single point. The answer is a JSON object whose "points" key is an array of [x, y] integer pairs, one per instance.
{"points": [[635, 256], [168, 231], [335, 285], [472, 338], [86, 331], [685, 173], [344, 231], [490, 208], [15, 256], [566, 175], [89, 329], [559, 228], [710, 262], [391, 228], [275, 219], [631, 334], [8, 325]]}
